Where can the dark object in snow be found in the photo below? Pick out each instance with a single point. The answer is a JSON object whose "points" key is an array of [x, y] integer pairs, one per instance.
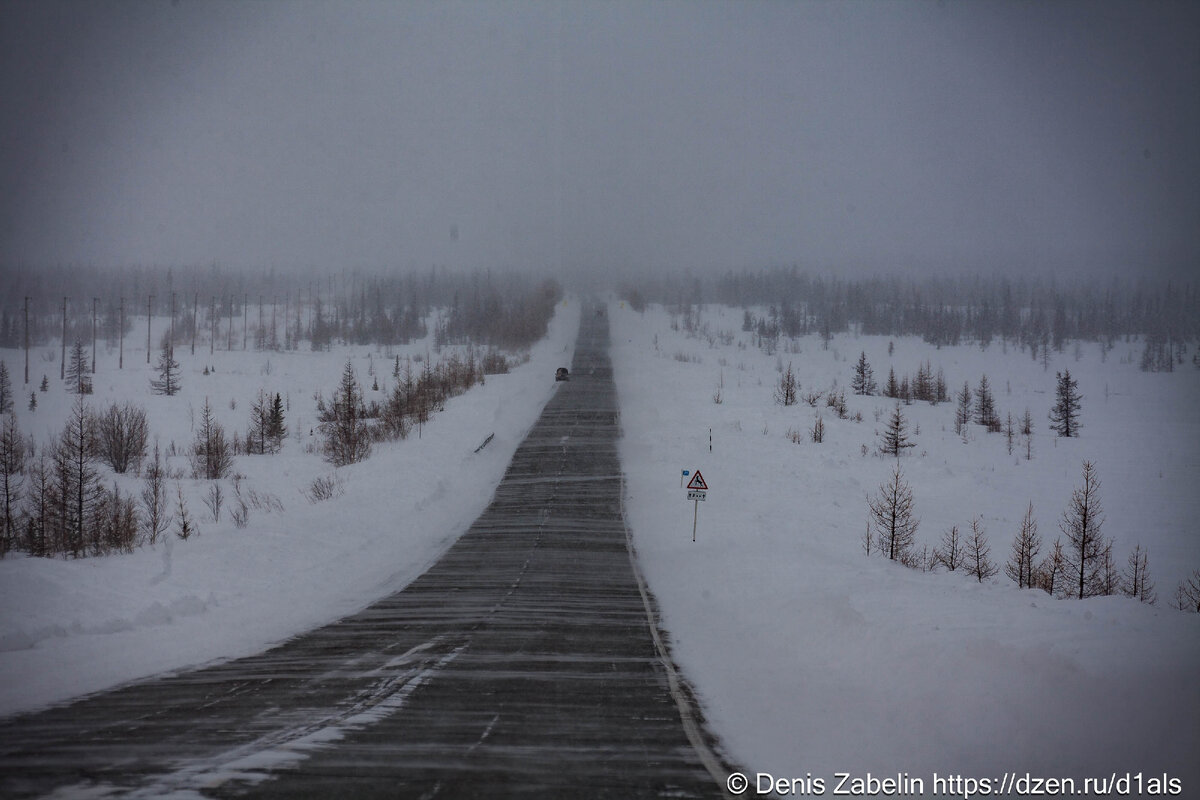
{"points": [[560, 374]]}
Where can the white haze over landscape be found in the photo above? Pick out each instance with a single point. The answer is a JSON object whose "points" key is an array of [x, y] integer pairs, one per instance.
{"points": [[652, 146], [589, 137]]}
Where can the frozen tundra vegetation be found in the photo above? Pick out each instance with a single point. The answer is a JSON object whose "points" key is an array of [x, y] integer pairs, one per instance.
{"points": [[892, 583]]}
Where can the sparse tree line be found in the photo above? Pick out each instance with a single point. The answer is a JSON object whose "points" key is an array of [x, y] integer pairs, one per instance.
{"points": [[1033, 314], [1079, 564], [64, 497], [350, 424], [977, 407], [267, 311]]}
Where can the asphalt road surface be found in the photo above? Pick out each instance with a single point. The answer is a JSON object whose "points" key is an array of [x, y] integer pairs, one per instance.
{"points": [[527, 661]]}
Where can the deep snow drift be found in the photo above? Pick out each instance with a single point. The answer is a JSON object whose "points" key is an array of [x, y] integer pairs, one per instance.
{"points": [[70, 627], [811, 658]]}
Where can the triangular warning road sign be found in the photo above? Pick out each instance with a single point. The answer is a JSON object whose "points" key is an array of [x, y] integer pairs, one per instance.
{"points": [[697, 481]]}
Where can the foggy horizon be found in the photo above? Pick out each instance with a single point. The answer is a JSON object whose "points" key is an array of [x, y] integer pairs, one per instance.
{"points": [[586, 138]]}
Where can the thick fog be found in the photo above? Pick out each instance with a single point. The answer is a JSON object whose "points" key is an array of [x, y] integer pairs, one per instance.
{"points": [[592, 137]]}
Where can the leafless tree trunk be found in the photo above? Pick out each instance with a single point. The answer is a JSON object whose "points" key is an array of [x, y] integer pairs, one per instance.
{"points": [[1020, 566], [892, 516], [1087, 548]]}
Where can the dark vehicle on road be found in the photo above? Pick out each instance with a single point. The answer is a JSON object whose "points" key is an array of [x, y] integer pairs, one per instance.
{"points": [[560, 374]]}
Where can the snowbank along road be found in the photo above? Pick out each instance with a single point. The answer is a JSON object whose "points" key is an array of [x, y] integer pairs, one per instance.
{"points": [[527, 661]]}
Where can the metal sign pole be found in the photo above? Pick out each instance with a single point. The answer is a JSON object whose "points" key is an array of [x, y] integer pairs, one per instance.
{"points": [[695, 514]]}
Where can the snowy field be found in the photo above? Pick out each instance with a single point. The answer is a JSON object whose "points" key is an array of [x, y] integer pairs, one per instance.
{"points": [[811, 658], [70, 627]]}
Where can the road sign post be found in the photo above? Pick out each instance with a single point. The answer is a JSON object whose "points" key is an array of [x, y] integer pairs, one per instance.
{"points": [[697, 490]]}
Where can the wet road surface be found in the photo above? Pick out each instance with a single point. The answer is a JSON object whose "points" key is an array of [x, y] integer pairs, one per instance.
{"points": [[522, 663]]}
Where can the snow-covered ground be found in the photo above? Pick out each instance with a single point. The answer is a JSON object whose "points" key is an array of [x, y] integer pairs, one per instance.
{"points": [[70, 627], [811, 658]]}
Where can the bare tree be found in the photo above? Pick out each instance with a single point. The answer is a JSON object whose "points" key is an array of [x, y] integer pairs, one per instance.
{"points": [[121, 435], [79, 487], [12, 466], [950, 553], [977, 552], [212, 457], [818, 429], [1137, 581], [1027, 432], [787, 392], [38, 504], [78, 377], [1026, 544], [344, 423], [257, 439], [1087, 548], [962, 413], [117, 522], [154, 497], [1110, 576], [892, 517], [1050, 572], [186, 528], [215, 499], [6, 390], [1187, 596]]}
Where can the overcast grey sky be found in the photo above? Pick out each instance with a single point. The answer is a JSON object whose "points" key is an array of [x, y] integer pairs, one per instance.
{"points": [[589, 135]]}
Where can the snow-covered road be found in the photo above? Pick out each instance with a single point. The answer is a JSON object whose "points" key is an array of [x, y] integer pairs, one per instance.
{"points": [[524, 662]]}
